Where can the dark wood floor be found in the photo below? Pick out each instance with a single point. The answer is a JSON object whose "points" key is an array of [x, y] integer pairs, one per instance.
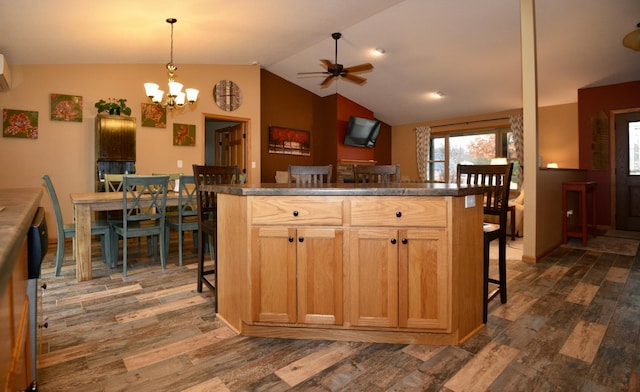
{"points": [[572, 323]]}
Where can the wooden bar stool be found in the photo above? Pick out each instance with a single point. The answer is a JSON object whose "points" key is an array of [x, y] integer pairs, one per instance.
{"points": [[584, 188]]}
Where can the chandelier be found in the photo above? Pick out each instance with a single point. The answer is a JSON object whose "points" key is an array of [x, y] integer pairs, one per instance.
{"points": [[175, 98]]}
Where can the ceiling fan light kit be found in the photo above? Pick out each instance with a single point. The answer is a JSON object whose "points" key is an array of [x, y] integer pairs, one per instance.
{"points": [[336, 70], [632, 40], [175, 97]]}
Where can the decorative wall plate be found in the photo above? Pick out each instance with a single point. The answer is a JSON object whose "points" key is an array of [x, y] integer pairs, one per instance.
{"points": [[227, 95]]}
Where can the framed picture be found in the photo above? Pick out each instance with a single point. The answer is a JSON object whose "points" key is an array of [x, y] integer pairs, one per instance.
{"points": [[184, 135], [289, 141], [154, 116], [19, 123], [66, 107]]}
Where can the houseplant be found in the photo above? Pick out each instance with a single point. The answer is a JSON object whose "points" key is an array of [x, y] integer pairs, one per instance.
{"points": [[113, 106]]}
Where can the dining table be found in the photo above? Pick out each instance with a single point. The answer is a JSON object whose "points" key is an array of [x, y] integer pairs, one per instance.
{"points": [[84, 205]]}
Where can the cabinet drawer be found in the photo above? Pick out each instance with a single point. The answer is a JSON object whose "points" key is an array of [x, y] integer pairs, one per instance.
{"points": [[399, 211], [296, 211]]}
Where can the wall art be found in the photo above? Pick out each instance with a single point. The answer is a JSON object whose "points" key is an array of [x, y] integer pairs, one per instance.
{"points": [[184, 135], [289, 141], [19, 123], [66, 107], [154, 116]]}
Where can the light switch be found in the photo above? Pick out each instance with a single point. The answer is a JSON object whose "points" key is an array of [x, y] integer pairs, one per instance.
{"points": [[253, 164], [179, 163]]}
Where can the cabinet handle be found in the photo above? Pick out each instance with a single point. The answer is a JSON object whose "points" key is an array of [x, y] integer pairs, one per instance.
{"points": [[393, 241], [44, 286], [399, 214], [45, 325], [404, 241], [295, 213], [300, 239], [290, 239]]}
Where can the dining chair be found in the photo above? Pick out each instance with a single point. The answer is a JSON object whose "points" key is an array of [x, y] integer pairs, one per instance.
{"points": [[496, 180], [144, 200], [98, 227], [310, 174], [185, 218], [385, 174], [207, 218], [113, 182]]}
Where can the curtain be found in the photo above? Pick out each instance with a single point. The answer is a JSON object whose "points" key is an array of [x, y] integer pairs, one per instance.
{"points": [[518, 142], [423, 137]]}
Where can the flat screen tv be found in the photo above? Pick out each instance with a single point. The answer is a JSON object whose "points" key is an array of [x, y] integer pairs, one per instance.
{"points": [[362, 132]]}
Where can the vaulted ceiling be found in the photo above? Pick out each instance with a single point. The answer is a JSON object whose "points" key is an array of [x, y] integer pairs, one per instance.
{"points": [[468, 50]]}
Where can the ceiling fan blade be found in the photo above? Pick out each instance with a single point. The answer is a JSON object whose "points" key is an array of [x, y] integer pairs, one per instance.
{"points": [[326, 64], [325, 83], [354, 79], [314, 73], [366, 67]]}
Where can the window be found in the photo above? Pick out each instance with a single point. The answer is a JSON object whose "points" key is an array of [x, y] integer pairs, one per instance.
{"points": [[477, 147]]}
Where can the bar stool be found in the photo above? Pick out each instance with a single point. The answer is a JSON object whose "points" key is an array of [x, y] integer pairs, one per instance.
{"points": [[584, 188]]}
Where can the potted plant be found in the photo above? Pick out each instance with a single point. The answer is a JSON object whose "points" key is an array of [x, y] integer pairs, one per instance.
{"points": [[113, 106]]}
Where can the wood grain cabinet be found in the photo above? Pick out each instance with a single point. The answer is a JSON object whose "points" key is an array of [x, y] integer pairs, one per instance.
{"points": [[115, 138], [297, 266], [405, 269]]}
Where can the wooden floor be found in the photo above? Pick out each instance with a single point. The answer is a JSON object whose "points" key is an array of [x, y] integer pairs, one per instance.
{"points": [[572, 323]]}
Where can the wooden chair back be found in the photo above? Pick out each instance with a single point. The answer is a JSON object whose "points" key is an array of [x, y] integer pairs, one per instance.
{"points": [[144, 198], [384, 174], [310, 174], [496, 180], [211, 175], [113, 182]]}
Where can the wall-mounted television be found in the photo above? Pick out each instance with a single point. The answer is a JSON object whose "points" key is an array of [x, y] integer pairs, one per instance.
{"points": [[361, 132]]}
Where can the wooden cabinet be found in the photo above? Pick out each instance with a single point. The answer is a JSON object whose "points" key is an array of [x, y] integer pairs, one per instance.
{"points": [[115, 138], [397, 269], [296, 270], [406, 270], [15, 347]]}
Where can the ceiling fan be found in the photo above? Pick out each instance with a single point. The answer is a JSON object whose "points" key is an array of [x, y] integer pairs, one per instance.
{"points": [[335, 70]]}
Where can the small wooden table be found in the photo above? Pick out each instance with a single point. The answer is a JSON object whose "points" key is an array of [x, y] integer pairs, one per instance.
{"points": [[84, 204], [584, 188]]}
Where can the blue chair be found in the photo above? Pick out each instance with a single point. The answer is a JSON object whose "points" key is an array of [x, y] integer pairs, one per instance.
{"points": [[144, 200], [98, 227], [186, 216]]}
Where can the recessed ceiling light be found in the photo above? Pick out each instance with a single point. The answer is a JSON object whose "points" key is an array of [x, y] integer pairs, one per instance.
{"points": [[437, 95], [379, 51]]}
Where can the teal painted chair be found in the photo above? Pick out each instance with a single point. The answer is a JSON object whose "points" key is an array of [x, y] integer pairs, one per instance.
{"points": [[144, 200], [98, 227], [186, 216]]}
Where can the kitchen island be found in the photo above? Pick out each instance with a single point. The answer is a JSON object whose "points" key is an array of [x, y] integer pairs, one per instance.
{"points": [[380, 263]]}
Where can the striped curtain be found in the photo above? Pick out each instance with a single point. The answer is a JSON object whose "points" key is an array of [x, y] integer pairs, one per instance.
{"points": [[518, 141], [423, 137]]}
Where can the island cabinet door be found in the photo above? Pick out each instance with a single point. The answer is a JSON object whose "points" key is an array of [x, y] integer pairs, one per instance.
{"points": [[373, 277], [424, 280], [273, 291], [319, 276]]}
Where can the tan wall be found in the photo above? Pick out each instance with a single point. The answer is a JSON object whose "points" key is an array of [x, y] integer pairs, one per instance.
{"points": [[65, 150], [558, 135]]}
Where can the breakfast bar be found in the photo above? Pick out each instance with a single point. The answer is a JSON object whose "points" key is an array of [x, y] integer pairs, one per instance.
{"points": [[396, 263]]}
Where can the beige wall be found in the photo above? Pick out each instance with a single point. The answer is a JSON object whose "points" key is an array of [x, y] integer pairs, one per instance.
{"points": [[65, 150], [558, 135]]}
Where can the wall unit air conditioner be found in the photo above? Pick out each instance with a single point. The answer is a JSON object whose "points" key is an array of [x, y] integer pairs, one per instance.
{"points": [[5, 75]]}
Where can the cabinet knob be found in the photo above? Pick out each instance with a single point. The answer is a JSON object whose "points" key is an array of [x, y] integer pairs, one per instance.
{"points": [[44, 286], [300, 239], [295, 213], [290, 239], [393, 241], [45, 325], [404, 241], [399, 214]]}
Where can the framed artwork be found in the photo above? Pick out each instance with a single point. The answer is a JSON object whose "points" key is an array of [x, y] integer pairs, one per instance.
{"points": [[66, 107], [19, 123], [154, 116], [184, 135], [289, 141]]}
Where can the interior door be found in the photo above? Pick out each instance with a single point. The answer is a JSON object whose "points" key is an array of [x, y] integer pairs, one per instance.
{"points": [[628, 171], [230, 146]]}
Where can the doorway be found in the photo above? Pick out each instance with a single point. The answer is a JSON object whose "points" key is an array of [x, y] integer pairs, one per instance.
{"points": [[627, 170], [225, 141]]}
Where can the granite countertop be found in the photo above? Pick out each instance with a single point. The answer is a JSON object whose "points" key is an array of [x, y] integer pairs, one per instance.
{"points": [[20, 205], [403, 189]]}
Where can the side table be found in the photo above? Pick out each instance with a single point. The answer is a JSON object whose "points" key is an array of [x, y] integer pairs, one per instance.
{"points": [[585, 189]]}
